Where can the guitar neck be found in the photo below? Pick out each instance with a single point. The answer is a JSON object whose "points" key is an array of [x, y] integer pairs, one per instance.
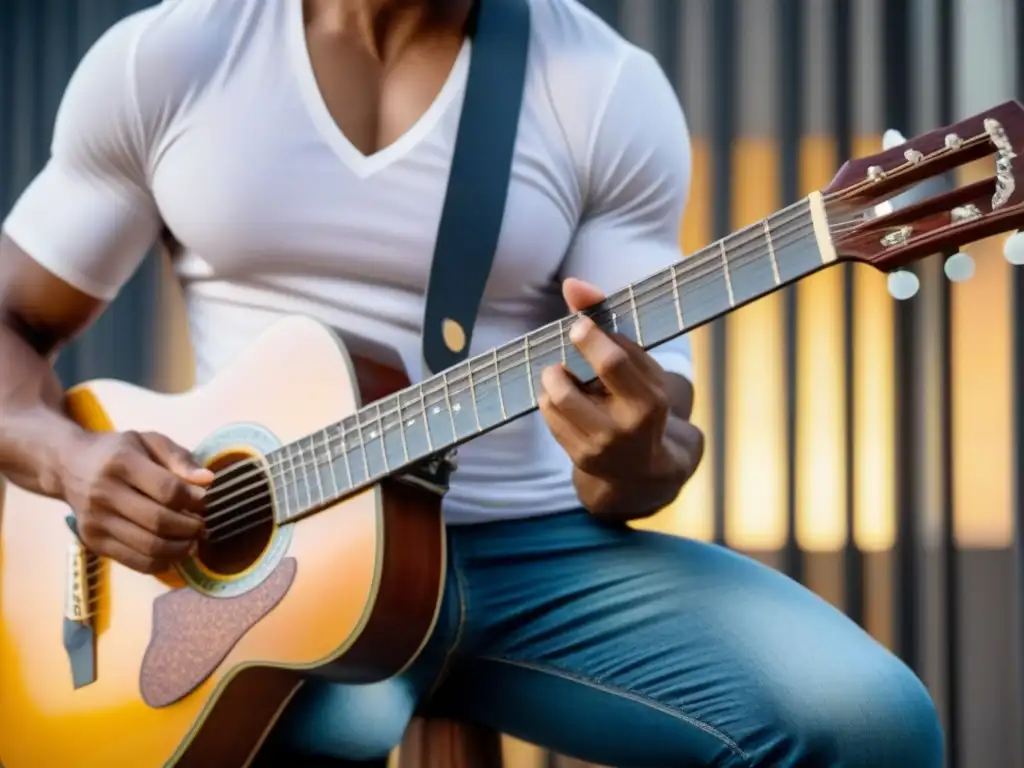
{"points": [[388, 436]]}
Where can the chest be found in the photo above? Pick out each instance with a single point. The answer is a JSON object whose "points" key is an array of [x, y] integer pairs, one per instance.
{"points": [[271, 187]]}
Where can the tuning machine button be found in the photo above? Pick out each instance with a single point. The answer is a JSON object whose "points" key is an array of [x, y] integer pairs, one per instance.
{"points": [[959, 267], [902, 284], [1013, 249]]}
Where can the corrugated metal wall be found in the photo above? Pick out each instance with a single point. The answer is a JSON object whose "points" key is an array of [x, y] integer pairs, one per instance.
{"points": [[862, 446]]}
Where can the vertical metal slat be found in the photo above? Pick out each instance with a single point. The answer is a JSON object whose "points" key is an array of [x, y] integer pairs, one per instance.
{"points": [[842, 117], [723, 133], [791, 107], [898, 39]]}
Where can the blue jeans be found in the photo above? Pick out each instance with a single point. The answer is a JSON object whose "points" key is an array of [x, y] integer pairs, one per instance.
{"points": [[630, 648]]}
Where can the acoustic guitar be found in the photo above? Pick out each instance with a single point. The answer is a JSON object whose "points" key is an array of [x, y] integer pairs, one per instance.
{"points": [[326, 553]]}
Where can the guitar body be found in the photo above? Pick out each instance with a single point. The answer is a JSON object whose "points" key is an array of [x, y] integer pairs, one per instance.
{"points": [[194, 667]]}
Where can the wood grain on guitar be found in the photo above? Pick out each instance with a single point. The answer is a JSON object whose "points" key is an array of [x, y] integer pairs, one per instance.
{"points": [[327, 549]]}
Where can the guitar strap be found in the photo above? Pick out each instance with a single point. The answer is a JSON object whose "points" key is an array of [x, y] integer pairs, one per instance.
{"points": [[474, 204]]}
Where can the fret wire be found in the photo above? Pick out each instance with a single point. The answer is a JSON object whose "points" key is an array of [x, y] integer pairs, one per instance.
{"points": [[380, 432], [362, 446], [615, 321], [771, 252], [675, 296], [529, 371], [330, 462], [316, 473], [294, 480], [472, 395], [636, 316], [728, 277], [561, 339], [280, 515], [426, 419], [448, 404], [345, 456], [497, 383], [401, 427]]}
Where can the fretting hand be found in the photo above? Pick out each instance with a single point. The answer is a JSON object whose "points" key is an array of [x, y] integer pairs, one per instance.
{"points": [[627, 433]]}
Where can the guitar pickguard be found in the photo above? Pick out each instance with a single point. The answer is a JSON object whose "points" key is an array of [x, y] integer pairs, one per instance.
{"points": [[193, 633]]}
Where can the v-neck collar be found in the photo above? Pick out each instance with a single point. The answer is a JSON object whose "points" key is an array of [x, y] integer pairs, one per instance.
{"points": [[361, 164]]}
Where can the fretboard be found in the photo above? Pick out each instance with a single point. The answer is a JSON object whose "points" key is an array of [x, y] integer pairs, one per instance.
{"points": [[489, 390]]}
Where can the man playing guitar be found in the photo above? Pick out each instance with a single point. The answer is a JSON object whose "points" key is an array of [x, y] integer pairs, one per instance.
{"points": [[299, 152]]}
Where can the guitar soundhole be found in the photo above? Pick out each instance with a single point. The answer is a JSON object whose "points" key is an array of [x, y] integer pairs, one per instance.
{"points": [[239, 515]]}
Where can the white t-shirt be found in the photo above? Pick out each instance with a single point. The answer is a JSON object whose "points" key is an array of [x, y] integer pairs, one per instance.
{"points": [[205, 117]]}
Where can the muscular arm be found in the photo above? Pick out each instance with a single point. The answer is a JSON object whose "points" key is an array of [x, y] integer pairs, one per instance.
{"points": [[638, 170], [38, 313]]}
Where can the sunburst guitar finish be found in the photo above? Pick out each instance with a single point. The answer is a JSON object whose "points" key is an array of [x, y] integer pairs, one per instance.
{"points": [[193, 667]]}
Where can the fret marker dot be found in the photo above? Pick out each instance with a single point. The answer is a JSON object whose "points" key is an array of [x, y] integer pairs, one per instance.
{"points": [[373, 433], [456, 407], [437, 409], [410, 422]]}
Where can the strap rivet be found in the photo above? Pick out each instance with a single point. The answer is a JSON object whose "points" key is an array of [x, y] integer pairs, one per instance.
{"points": [[453, 334]]}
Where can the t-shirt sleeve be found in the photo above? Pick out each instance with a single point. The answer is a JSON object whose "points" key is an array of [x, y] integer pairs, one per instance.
{"points": [[89, 217], [637, 181]]}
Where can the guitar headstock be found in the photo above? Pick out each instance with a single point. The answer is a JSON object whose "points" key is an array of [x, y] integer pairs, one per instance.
{"points": [[865, 227]]}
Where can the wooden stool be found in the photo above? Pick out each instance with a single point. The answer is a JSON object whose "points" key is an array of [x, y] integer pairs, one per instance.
{"points": [[436, 743]]}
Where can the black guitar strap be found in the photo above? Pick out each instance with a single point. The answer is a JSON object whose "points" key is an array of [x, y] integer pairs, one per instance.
{"points": [[474, 204]]}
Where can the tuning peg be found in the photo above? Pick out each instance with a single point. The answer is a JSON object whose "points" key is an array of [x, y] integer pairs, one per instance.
{"points": [[959, 267], [1013, 249], [902, 284]]}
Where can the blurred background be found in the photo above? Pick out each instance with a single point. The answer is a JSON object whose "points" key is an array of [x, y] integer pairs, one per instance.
{"points": [[867, 447]]}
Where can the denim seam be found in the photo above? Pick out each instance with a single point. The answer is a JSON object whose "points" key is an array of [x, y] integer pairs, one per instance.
{"points": [[460, 589], [626, 693]]}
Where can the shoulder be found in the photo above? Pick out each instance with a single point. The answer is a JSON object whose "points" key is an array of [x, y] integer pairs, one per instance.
{"points": [[617, 109], [145, 69]]}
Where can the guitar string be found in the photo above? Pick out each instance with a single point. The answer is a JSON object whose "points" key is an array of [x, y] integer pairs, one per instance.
{"points": [[538, 349], [488, 362], [305, 466], [839, 228], [279, 469], [686, 269]]}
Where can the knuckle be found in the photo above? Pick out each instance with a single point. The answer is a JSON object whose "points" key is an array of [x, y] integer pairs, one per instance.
{"points": [[168, 489], [89, 528], [153, 547], [612, 362], [588, 457], [561, 397]]}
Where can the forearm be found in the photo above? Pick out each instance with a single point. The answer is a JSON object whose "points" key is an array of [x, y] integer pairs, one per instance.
{"points": [[632, 497], [33, 424]]}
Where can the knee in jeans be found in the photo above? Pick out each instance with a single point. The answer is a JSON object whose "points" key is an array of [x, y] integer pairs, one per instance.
{"points": [[875, 722], [348, 722]]}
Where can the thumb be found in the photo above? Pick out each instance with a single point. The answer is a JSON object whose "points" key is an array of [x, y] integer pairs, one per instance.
{"points": [[178, 460], [580, 295]]}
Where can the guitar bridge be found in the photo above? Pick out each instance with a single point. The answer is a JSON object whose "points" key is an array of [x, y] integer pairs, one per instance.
{"points": [[80, 596], [433, 473]]}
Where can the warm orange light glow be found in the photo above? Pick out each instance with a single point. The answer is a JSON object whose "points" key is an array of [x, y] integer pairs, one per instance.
{"points": [[692, 513], [873, 412], [755, 494], [820, 417], [983, 401], [820, 383]]}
